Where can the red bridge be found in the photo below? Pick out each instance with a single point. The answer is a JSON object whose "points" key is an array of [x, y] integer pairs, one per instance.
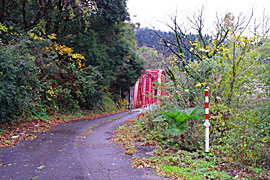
{"points": [[145, 91]]}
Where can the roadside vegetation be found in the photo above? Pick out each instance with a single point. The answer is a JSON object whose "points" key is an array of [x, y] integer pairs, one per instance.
{"points": [[233, 64], [178, 157]]}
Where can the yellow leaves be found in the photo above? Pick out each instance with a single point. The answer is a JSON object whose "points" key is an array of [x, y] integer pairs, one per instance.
{"points": [[67, 53], [52, 36], [64, 53], [200, 84], [244, 41], [71, 13], [265, 139], [41, 167], [78, 56], [51, 93], [79, 64], [62, 49], [3, 28], [34, 36]]}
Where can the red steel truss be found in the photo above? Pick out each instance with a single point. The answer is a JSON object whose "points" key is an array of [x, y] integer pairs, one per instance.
{"points": [[145, 92]]}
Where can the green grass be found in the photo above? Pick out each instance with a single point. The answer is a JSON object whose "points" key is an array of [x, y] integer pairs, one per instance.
{"points": [[197, 170]]}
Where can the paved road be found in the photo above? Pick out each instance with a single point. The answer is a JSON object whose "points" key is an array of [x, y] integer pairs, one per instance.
{"points": [[78, 150]]}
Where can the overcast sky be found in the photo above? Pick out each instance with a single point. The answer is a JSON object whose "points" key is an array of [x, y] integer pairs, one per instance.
{"points": [[149, 12]]}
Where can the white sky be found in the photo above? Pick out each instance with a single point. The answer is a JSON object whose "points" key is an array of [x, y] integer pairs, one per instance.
{"points": [[149, 12]]}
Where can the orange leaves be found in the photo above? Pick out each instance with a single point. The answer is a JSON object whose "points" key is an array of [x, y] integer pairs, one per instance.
{"points": [[139, 163], [21, 131]]}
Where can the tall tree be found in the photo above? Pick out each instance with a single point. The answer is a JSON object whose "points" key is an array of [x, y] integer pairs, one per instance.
{"points": [[97, 29]]}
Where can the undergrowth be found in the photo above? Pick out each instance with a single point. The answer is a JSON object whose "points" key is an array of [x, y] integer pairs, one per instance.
{"points": [[169, 160]]}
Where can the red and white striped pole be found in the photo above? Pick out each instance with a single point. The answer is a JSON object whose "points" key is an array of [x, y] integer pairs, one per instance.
{"points": [[141, 112], [207, 123]]}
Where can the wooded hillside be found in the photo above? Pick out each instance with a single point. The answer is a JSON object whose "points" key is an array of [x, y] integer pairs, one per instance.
{"points": [[64, 55]]}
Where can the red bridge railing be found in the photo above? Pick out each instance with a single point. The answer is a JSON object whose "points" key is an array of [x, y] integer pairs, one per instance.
{"points": [[145, 91]]}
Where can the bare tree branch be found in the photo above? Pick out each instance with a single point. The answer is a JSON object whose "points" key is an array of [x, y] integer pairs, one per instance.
{"points": [[248, 67]]}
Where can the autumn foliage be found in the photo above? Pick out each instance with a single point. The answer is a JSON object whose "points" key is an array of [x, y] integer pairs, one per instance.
{"points": [[63, 55]]}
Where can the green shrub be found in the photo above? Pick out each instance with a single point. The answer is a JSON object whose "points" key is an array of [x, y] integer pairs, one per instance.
{"points": [[177, 119], [107, 104], [86, 91], [171, 125], [69, 88], [18, 81], [246, 140]]}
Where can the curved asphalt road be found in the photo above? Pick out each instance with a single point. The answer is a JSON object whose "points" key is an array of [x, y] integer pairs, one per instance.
{"points": [[77, 150]]}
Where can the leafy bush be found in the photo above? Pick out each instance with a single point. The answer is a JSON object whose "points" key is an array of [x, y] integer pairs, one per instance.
{"points": [[18, 81], [107, 104], [177, 119], [245, 141], [70, 88]]}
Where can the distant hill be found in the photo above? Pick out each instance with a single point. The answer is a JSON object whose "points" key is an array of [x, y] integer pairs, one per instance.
{"points": [[149, 38]]}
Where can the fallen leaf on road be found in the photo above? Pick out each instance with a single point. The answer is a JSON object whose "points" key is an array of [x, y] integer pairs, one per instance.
{"points": [[22, 130], [14, 137], [41, 167]]}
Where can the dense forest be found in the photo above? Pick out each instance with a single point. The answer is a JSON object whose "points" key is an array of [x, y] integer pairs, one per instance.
{"points": [[64, 55]]}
